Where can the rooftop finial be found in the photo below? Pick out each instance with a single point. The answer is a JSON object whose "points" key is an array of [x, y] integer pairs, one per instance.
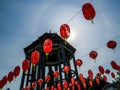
{"points": [[50, 30]]}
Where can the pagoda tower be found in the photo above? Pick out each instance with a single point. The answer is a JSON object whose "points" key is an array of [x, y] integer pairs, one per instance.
{"points": [[59, 61]]}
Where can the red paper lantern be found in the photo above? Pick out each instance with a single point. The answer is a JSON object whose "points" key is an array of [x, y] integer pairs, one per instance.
{"points": [[107, 71], [25, 65], [88, 11], [1, 84], [118, 67], [84, 84], [98, 75], [105, 78], [4, 80], [101, 69], [78, 86], [81, 77], [28, 88], [65, 84], [40, 81], [82, 80], [90, 83], [66, 69], [97, 80], [76, 82], [10, 76], [72, 81], [93, 54], [90, 73], [112, 75], [59, 86], [68, 88], [47, 78], [34, 84], [73, 88], [56, 74], [35, 57], [64, 31], [114, 65], [16, 71], [70, 84], [78, 62], [47, 46], [47, 88], [52, 87], [111, 44]]}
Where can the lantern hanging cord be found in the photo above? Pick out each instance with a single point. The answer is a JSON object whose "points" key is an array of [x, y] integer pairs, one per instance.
{"points": [[116, 58]]}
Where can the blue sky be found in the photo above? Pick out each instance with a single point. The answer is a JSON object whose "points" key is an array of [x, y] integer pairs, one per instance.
{"points": [[23, 21]]}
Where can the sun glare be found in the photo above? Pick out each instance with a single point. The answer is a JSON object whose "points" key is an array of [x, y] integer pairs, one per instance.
{"points": [[72, 35]]}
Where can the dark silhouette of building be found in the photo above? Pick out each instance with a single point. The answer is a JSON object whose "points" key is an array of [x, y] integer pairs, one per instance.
{"points": [[61, 55]]}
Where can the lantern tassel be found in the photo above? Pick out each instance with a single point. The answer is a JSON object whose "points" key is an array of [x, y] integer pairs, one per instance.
{"points": [[91, 19], [79, 67], [47, 82], [65, 41], [67, 74], [14, 79], [95, 60], [113, 50], [46, 55], [34, 67], [25, 72], [56, 79]]}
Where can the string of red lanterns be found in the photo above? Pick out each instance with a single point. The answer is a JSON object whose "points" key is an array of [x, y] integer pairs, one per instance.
{"points": [[66, 69], [10, 77], [73, 82], [65, 34]]}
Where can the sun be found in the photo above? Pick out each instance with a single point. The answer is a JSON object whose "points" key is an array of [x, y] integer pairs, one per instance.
{"points": [[72, 35]]}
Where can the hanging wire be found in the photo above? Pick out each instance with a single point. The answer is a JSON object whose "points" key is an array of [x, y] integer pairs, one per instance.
{"points": [[90, 0], [116, 36], [101, 46], [104, 64], [74, 16]]}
